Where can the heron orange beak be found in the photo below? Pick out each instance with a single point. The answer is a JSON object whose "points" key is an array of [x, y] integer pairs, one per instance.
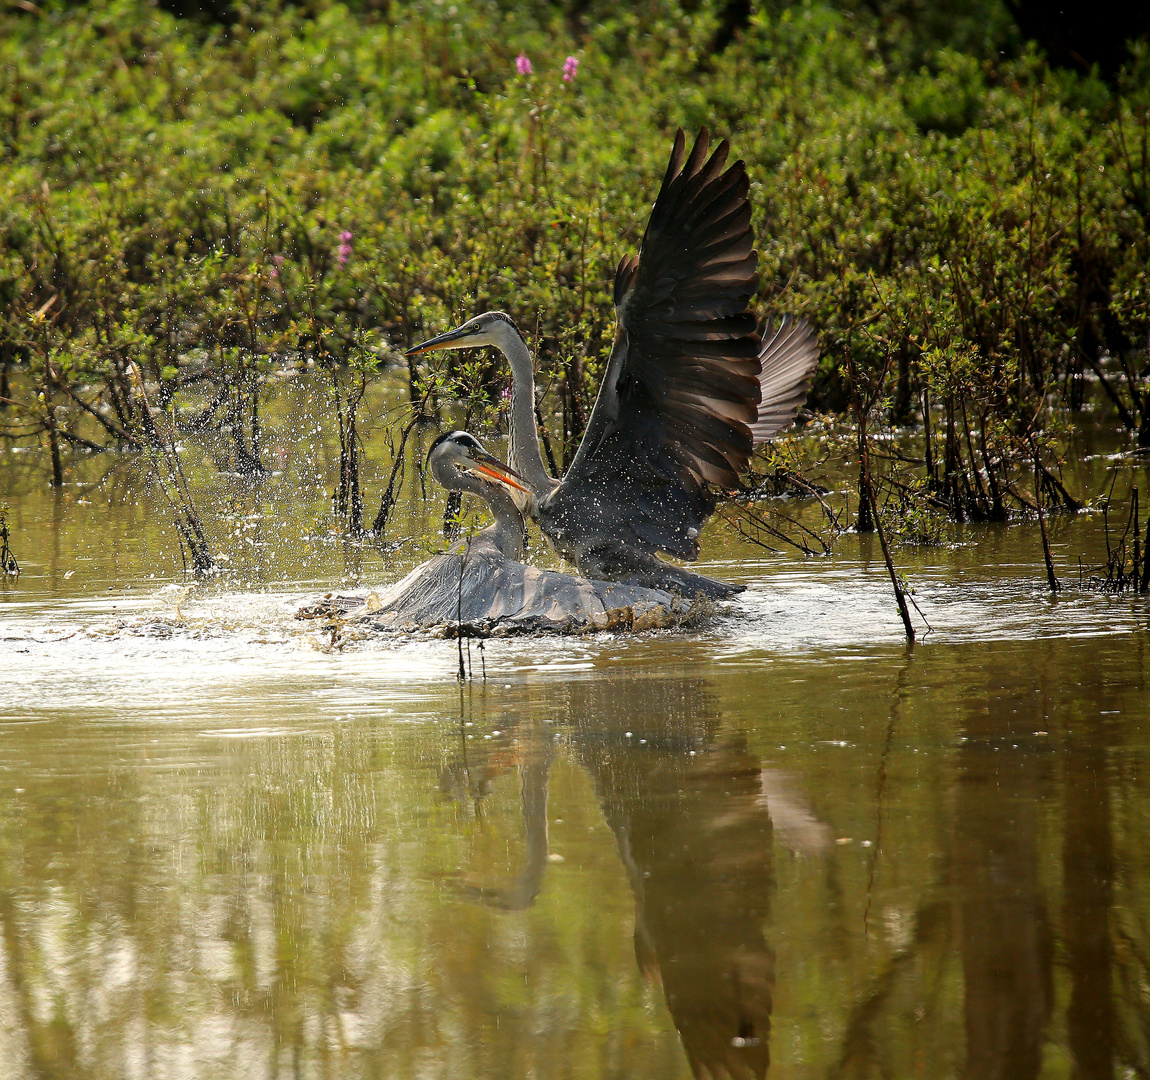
{"points": [[443, 341], [494, 468]]}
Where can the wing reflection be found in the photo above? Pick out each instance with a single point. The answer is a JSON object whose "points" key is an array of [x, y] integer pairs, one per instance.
{"points": [[534, 768], [684, 801], [690, 811]]}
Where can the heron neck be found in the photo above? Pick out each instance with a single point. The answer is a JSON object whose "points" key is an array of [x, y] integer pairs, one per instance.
{"points": [[508, 532], [523, 450]]}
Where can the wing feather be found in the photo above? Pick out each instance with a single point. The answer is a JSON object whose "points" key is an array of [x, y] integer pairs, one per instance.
{"points": [[788, 358], [681, 387], [679, 405]]}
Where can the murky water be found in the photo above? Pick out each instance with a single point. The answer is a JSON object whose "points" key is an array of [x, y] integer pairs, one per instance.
{"points": [[785, 844]]}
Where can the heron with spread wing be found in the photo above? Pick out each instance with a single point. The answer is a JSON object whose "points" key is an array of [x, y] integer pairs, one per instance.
{"points": [[691, 384]]}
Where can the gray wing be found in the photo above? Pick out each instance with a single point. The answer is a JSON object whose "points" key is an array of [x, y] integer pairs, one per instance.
{"points": [[490, 591], [681, 390], [788, 357]]}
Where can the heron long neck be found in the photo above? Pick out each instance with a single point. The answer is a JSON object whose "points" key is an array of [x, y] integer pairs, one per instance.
{"points": [[508, 532], [523, 450]]}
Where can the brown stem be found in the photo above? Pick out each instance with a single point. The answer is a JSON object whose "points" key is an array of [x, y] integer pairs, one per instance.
{"points": [[1137, 567], [900, 599], [1051, 580], [50, 419], [546, 441], [866, 494], [1144, 584], [865, 523], [184, 511], [114, 430], [1069, 502], [931, 475], [976, 480], [951, 468], [379, 524]]}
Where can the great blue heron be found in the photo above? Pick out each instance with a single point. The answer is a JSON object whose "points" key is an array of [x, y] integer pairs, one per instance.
{"points": [[690, 386], [481, 581]]}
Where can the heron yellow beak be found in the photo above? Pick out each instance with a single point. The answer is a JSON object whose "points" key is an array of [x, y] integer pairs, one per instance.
{"points": [[443, 341], [494, 468]]}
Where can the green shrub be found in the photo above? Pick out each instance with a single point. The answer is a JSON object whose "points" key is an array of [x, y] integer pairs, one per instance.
{"points": [[325, 185]]}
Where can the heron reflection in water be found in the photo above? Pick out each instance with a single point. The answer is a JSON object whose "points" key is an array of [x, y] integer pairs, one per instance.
{"points": [[694, 817], [691, 384], [482, 582]]}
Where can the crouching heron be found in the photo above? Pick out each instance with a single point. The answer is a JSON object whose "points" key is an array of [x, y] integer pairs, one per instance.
{"points": [[481, 582]]}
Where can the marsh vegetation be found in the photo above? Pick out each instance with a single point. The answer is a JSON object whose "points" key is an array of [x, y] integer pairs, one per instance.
{"points": [[190, 211]]}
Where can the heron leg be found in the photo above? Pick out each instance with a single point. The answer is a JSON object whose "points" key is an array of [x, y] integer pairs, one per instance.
{"points": [[615, 561]]}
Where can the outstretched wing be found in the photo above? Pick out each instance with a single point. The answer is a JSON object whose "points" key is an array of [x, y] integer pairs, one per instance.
{"points": [[681, 390], [787, 358]]}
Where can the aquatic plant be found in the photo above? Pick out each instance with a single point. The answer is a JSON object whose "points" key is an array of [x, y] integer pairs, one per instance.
{"points": [[9, 567]]}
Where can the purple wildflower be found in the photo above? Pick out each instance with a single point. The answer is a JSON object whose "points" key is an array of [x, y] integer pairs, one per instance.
{"points": [[279, 261], [343, 253], [523, 65], [570, 68]]}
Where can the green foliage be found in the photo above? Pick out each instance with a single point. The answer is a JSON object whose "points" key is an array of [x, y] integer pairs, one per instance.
{"points": [[947, 97], [325, 185]]}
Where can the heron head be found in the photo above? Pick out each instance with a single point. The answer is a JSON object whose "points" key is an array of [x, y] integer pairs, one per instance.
{"points": [[490, 328], [462, 451]]}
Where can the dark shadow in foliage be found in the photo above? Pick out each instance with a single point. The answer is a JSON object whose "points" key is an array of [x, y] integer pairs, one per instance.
{"points": [[1078, 34], [202, 11], [734, 16]]}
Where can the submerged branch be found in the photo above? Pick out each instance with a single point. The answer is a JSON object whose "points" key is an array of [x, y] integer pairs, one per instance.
{"points": [[761, 524], [1051, 580], [169, 475], [395, 478]]}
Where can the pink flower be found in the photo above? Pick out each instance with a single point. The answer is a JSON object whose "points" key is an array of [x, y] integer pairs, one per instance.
{"points": [[279, 261], [523, 65], [343, 253], [570, 68]]}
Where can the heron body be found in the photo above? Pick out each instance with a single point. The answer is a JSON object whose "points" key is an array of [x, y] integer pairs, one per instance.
{"points": [[489, 594], [690, 386], [482, 584]]}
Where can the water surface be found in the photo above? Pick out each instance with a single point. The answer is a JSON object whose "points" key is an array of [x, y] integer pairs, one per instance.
{"points": [[784, 844]]}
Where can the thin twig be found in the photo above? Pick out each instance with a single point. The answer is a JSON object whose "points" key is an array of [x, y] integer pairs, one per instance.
{"points": [[1051, 580], [459, 609]]}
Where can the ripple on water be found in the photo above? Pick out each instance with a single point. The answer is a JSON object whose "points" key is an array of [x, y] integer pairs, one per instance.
{"points": [[143, 655], [851, 611]]}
